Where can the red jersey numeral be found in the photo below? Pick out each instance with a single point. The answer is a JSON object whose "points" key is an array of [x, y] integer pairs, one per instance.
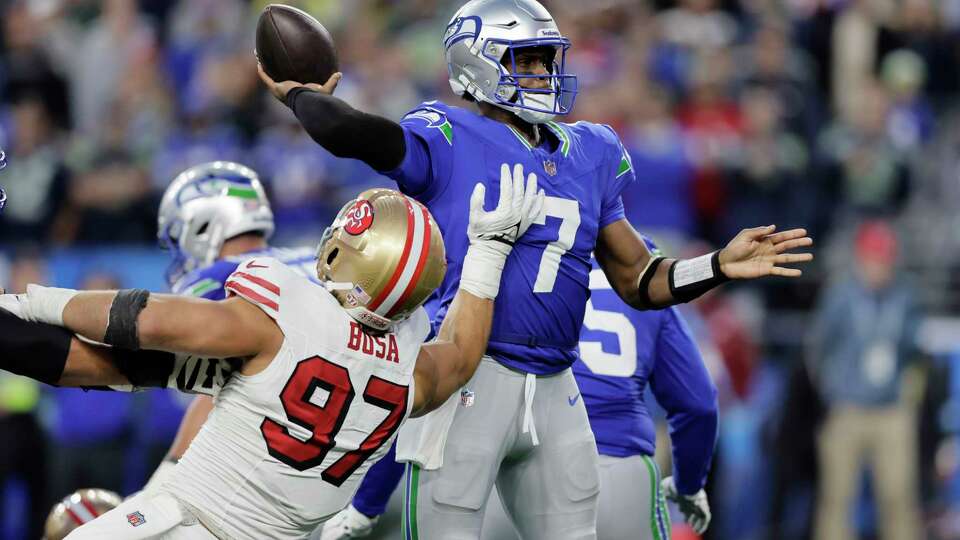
{"points": [[324, 422]]}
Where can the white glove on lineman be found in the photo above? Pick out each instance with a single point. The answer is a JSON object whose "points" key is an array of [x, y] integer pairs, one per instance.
{"points": [[492, 234], [695, 508], [39, 304], [348, 523]]}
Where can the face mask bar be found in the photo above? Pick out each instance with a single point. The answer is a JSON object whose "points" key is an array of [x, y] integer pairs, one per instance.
{"points": [[561, 86]]}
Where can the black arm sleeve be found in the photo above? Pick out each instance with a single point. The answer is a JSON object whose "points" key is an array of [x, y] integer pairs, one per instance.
{"points": [[347, 132], [34, 350], [146, 369]]}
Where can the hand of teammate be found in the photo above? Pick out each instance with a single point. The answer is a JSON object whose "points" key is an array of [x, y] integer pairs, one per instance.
{"points": [[280, 89], [759, 252], [518, 206], [695, 508]]}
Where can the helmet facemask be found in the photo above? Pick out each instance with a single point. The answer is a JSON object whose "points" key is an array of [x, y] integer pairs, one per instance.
{"points": [[534, 105]]}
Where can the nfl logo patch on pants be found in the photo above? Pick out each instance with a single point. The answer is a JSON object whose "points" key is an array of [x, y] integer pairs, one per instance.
{"points": [[136, 519]]}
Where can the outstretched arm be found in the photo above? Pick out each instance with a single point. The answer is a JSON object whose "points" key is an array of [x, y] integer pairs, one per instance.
{"points": [[133, 319], [645, 282], [230, 328], [338, 127]]}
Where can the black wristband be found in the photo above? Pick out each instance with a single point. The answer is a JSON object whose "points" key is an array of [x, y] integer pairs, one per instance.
{"points": [[643, 287], [35, 350], [689, 287], [122, 328]]}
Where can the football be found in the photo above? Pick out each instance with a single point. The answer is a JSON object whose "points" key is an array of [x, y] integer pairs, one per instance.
{"points": [[293, 46]]}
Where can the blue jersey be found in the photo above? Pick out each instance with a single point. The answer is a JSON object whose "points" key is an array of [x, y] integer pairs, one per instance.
{"points": [[207, 282], [622, 350], [582, 167]]}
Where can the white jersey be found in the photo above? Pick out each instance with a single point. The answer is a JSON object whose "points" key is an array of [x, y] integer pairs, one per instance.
{"points": [[286, 448]]}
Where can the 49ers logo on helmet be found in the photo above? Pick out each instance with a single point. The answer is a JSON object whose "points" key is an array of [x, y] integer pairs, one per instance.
{"points": [[359, 217]]}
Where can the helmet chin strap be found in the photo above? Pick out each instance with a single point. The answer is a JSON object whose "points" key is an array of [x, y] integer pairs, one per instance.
{"points": [[544, 101], [337, 286]]}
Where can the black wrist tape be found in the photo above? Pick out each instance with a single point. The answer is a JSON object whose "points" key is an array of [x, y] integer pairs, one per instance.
{"points": [[643, 287], [35, 350], [122, 328], [697, 281]]}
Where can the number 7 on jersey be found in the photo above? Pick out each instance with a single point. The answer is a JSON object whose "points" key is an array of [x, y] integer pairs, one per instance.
{"points": [[569, 213]]}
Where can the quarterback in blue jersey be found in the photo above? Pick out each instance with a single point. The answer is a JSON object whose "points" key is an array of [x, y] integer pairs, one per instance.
{"points": [[512, 426]]}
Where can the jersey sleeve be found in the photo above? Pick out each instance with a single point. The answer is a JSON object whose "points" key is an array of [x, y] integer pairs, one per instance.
{"points": [[206, 282], [427, 161], [621, 175], [259, 282], [683, 387]]}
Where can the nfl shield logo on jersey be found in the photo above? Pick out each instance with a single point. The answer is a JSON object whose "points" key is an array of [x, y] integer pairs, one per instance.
{"points": [[550, 167], [467, 397], [136, 519]]}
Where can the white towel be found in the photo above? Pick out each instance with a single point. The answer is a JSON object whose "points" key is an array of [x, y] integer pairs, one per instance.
{"points": [[421, 440]]}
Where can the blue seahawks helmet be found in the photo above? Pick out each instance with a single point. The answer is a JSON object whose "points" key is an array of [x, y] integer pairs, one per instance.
{"points": [[483, 33], [205, 206]]}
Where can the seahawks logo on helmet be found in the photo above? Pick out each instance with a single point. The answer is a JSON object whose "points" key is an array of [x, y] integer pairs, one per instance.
{"points": [[462, 28]]}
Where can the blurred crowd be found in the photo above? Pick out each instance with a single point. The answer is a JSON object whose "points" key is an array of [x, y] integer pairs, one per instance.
{"points": [[837, 115]]}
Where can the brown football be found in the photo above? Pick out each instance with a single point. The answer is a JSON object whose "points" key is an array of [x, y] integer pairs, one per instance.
{"points": [[293, 46]]}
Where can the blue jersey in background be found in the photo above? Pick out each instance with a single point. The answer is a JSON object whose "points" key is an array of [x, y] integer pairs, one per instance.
{"points": [[207, 282], [582, 168], [622, 352]]}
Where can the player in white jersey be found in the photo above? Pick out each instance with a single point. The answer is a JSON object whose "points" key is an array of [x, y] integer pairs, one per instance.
{"points": [[327, 370]]}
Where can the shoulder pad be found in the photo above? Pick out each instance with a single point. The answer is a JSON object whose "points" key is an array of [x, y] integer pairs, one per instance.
{"points": [[259, 281], [433, 116]]}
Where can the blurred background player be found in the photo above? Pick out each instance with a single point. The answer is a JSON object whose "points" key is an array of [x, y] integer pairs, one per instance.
{"points": [[655, 349], [81, 506], [861, 345], [509, 58], [622, 351]]}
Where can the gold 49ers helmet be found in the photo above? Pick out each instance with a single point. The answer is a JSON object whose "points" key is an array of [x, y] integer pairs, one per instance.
{"points": [[382, 257], [79, 507]]}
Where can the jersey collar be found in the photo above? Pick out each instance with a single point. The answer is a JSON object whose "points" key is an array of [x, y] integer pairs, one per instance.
{"points": [[558, 131]]}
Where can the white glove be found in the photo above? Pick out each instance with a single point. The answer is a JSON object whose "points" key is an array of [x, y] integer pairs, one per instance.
{"points": [[695, 508], [348, 523], [492, 234], [39, 304]]}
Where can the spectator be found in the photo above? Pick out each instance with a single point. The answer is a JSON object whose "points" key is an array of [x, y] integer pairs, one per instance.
{"points": [[910, 121], [659, 148], [110, 202], [863, 338], [36, 185], [873, 176], [768, 176]]}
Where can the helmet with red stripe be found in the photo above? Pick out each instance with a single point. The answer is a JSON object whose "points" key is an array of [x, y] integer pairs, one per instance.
{"points": [[382, 257], [81, 506]]}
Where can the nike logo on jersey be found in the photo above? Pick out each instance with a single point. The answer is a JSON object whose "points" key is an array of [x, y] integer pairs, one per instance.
{"points": [[572, 400], [252, 264]]}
